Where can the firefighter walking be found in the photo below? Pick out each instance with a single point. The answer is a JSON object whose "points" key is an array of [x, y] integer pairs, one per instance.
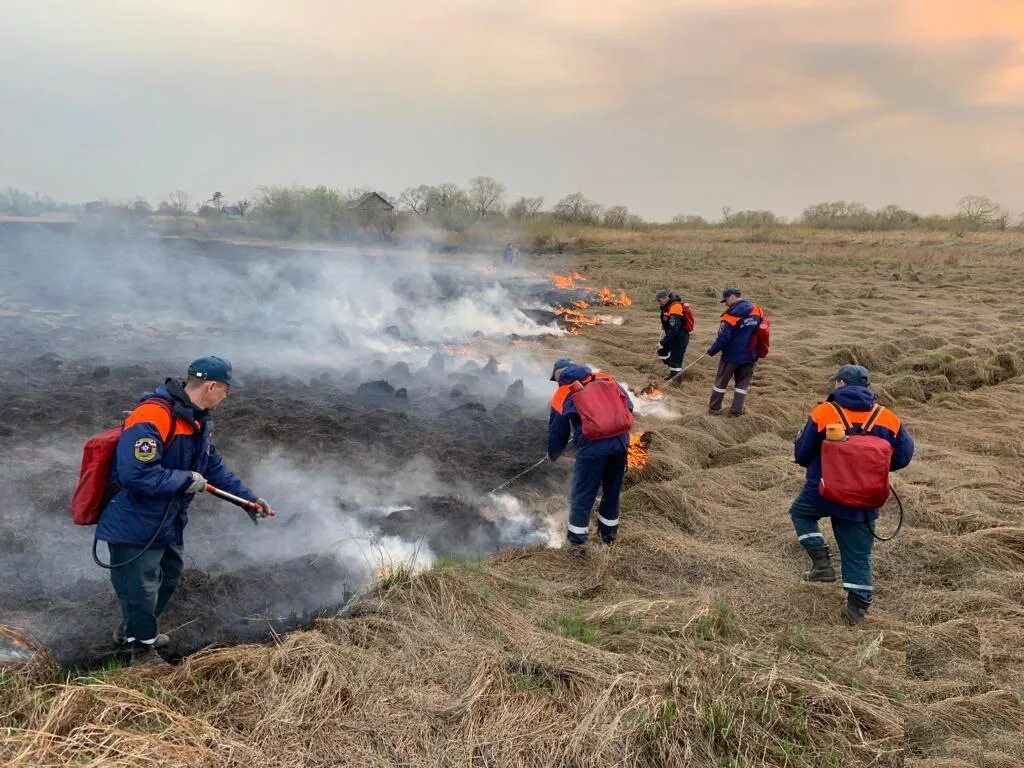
{"points": [[594, 412], [738, 342], [841, 489]]}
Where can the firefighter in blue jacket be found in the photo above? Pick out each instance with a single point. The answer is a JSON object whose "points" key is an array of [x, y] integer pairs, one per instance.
{"points": [[677, 323], [852, 527], [164, 457], [738, 344], [600, 464]]}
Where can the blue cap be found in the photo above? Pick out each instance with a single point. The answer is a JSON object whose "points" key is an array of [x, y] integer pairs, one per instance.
{"points": [[729, 292], [562, 362], [213, 368], [853, 374]]}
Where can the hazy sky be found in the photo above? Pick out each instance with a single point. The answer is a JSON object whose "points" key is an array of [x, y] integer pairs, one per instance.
{"points": [[665, 106]]}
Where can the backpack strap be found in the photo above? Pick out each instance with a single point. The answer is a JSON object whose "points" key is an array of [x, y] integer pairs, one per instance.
{"points": [[169, 407], [842, 416], [870, 423]]}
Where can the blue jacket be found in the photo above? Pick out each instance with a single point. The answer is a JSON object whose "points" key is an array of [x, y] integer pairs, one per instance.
{"points": [[150, 479], [736, 339], [857, 402], [564, 422]]}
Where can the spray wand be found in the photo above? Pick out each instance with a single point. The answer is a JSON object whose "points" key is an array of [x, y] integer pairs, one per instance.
{"points": [[254, 510], [507, 483], [678, 378]]}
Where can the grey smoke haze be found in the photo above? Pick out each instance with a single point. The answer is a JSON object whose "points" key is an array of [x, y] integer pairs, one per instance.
{"points": [[89, 323]]}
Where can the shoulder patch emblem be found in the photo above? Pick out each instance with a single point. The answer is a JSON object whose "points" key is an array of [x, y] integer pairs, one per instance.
{"points": [[145, 449]]}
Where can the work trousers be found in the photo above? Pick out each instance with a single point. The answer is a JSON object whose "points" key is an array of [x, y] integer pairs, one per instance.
{"points": [[144, 586], [743, 374], [676, 351], [603, 473], [854, 540]]}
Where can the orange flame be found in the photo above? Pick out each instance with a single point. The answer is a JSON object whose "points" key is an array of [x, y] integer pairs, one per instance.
{"points": [[638, 448], [574, 320], [453, 350], [580, 304], [567, 281], [651, 392], [609, 299]]}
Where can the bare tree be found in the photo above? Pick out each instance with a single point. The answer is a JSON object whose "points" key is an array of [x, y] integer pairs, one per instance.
{"points": [[616, 216], [448, 197], [140, 207], [419, 199], [486, 196], [217, 200], [179, 203], [525, 207], [689, 220], [982, 212], [243, 206], [578, 209]]}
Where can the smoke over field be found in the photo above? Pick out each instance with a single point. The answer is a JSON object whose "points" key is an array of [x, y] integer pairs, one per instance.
{"points": [[384, 394]]}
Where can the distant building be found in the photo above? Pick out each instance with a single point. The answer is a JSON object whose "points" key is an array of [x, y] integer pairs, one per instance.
{"points": [[374, 211]]}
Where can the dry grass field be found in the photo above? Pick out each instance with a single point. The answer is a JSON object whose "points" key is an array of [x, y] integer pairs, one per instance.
{"points": [[693, 642]]}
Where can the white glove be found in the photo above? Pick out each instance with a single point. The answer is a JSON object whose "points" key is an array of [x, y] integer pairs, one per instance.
{"points": [[198, 484]]}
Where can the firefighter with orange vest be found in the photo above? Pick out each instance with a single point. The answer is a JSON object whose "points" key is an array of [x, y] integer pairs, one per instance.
{"points": [[737, 341], [677, 323], [849, 410], [598, 423], [164, 457]]}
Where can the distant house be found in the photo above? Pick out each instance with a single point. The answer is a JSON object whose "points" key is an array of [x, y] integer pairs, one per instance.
{"points": [[375, 212], [231, 212], [372, 201]]}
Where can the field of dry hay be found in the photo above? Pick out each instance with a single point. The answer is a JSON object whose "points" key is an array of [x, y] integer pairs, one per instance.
{"points": [[694, 641]]}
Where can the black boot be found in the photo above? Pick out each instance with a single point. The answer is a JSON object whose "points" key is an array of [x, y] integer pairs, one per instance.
{"points": [[821, 565], [144, 655], [162, 640], [855, 610]]}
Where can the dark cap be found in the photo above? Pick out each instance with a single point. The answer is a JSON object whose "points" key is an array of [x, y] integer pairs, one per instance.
{"points": [[853, 374], [213, 368], [729, 292], [562, 362], [661, 294]]}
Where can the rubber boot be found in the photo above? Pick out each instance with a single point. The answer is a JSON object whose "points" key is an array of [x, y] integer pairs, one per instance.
{"points": [[821, 565], [855, 610], [162, 640], [144, 655]]}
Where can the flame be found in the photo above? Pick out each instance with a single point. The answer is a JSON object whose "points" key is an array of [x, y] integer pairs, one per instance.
{"points": [[488, 270], [488, 513], [638, 446], [580, 304], [566, 281], [574, 319], [651, 392], [609, 299], [453, 350]]}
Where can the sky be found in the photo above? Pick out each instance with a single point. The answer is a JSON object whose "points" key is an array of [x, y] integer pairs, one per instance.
{"points": [[665, 106]]}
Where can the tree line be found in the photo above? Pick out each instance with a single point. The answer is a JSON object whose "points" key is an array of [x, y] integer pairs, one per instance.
{"points": [[322, 211]]}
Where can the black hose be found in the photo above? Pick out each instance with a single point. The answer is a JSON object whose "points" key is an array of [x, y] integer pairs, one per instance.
{"points": [[899, 523], [112, 566]]}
